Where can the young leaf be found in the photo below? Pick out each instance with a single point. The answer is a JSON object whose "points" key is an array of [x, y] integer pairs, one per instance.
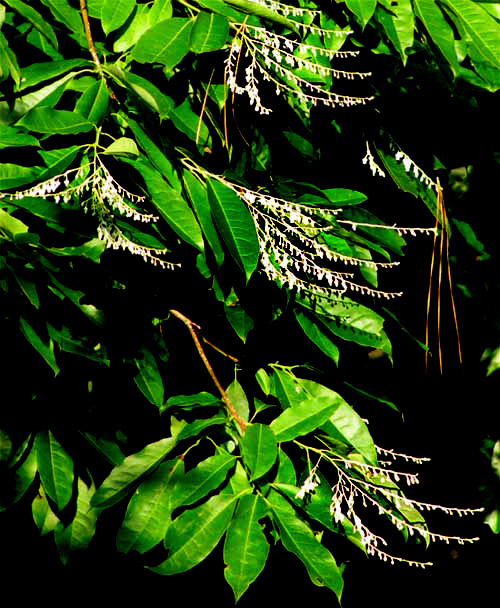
{"points": [[259, 449], [55, 467], [123, 146], [209, 32], [148, 513], [236, 226], [303, 418], [201, 480], [196, 533], [17, 480], [166, 42], [114, 13], [125, 476], [45, 519], [237, 395], [245, 547], [298, 538], [81, 530]]}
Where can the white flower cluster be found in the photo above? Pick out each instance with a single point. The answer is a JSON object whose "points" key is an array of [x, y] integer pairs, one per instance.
{"points": [[279, 59], [376, 487], [411, 167], [95, 189], [374, 167]]}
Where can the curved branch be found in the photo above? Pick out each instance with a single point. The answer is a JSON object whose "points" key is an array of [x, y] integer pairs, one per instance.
{"points": [[229, 404]]}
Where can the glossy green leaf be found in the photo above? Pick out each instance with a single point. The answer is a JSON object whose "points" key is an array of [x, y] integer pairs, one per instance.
{"points": [[28, 287], [344, 423], [172, 207], [93, 104], [55, 468], [149, 379], [46, 351], [195, 534], [342, 196], [197, 193], [17, 480], [140, 23], [189, 122], [45, 519], [318, 336], [198, 426], [16, 175], [9, 60], [124, 477], [166, 43], [209, 33], [201, 480], [399, 25], [286, 471], [123, 146], [60, 122], [237, 316], [238, 398], [245, 547], [37, 73], [442, 35], [190, 401], [34, 17], [236, 226], [302, 418], [285, 388], [10, 137], [114, 13], [78, 534], [148, 513], [298, 538], [259, 449], [482, 28], [69, 16], [363, 9]]}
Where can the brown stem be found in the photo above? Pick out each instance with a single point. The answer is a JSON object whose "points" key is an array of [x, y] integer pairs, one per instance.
{"points": [[229, 404], [88, 33]]}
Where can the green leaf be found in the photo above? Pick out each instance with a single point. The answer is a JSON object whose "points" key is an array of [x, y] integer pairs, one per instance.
{"points": [[16, 481], [94, 102], [238, 398], [69, 16], [60, 122], [16, 175], [302, 418], [45, 519], [344, 423], [236, 226], [197, 193], [34, 17], [166, 43], [47, 352], [91, 250], [149, 379], [196, 427], [123, 146], [157, 158], [114, 13], [189, 123], [81, 530], [238, 318], [10, 137], [172, 207], [34, 74], [363, 9], [399, 25], [245, 547], [209, 33], [55, 467], [191, 401], [148, 513], [9, 59], [482, 28], [195, 533], [298, 538], [140, 23], [431, 16], [125, 476], [259, 449], [341, 196], [286, 388], [286, 471], [201, 480], [315, 333]]}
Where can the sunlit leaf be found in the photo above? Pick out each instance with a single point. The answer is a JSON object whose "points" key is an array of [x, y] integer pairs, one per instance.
{"points": [[363, 9], [55, 467], [209, 32], [259, 449], [17, 480], [34, 17], [166, 43], [61, 122], [114, 13]]}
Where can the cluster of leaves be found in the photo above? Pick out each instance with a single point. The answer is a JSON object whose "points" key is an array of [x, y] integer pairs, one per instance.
{"points": [[119, 128]]}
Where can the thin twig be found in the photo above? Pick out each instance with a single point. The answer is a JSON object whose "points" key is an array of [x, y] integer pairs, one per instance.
{"points": [[88, 33], [229, 404]]}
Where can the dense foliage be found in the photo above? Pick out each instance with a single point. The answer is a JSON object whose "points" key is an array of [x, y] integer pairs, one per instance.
{"points": [[202, 207]]}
